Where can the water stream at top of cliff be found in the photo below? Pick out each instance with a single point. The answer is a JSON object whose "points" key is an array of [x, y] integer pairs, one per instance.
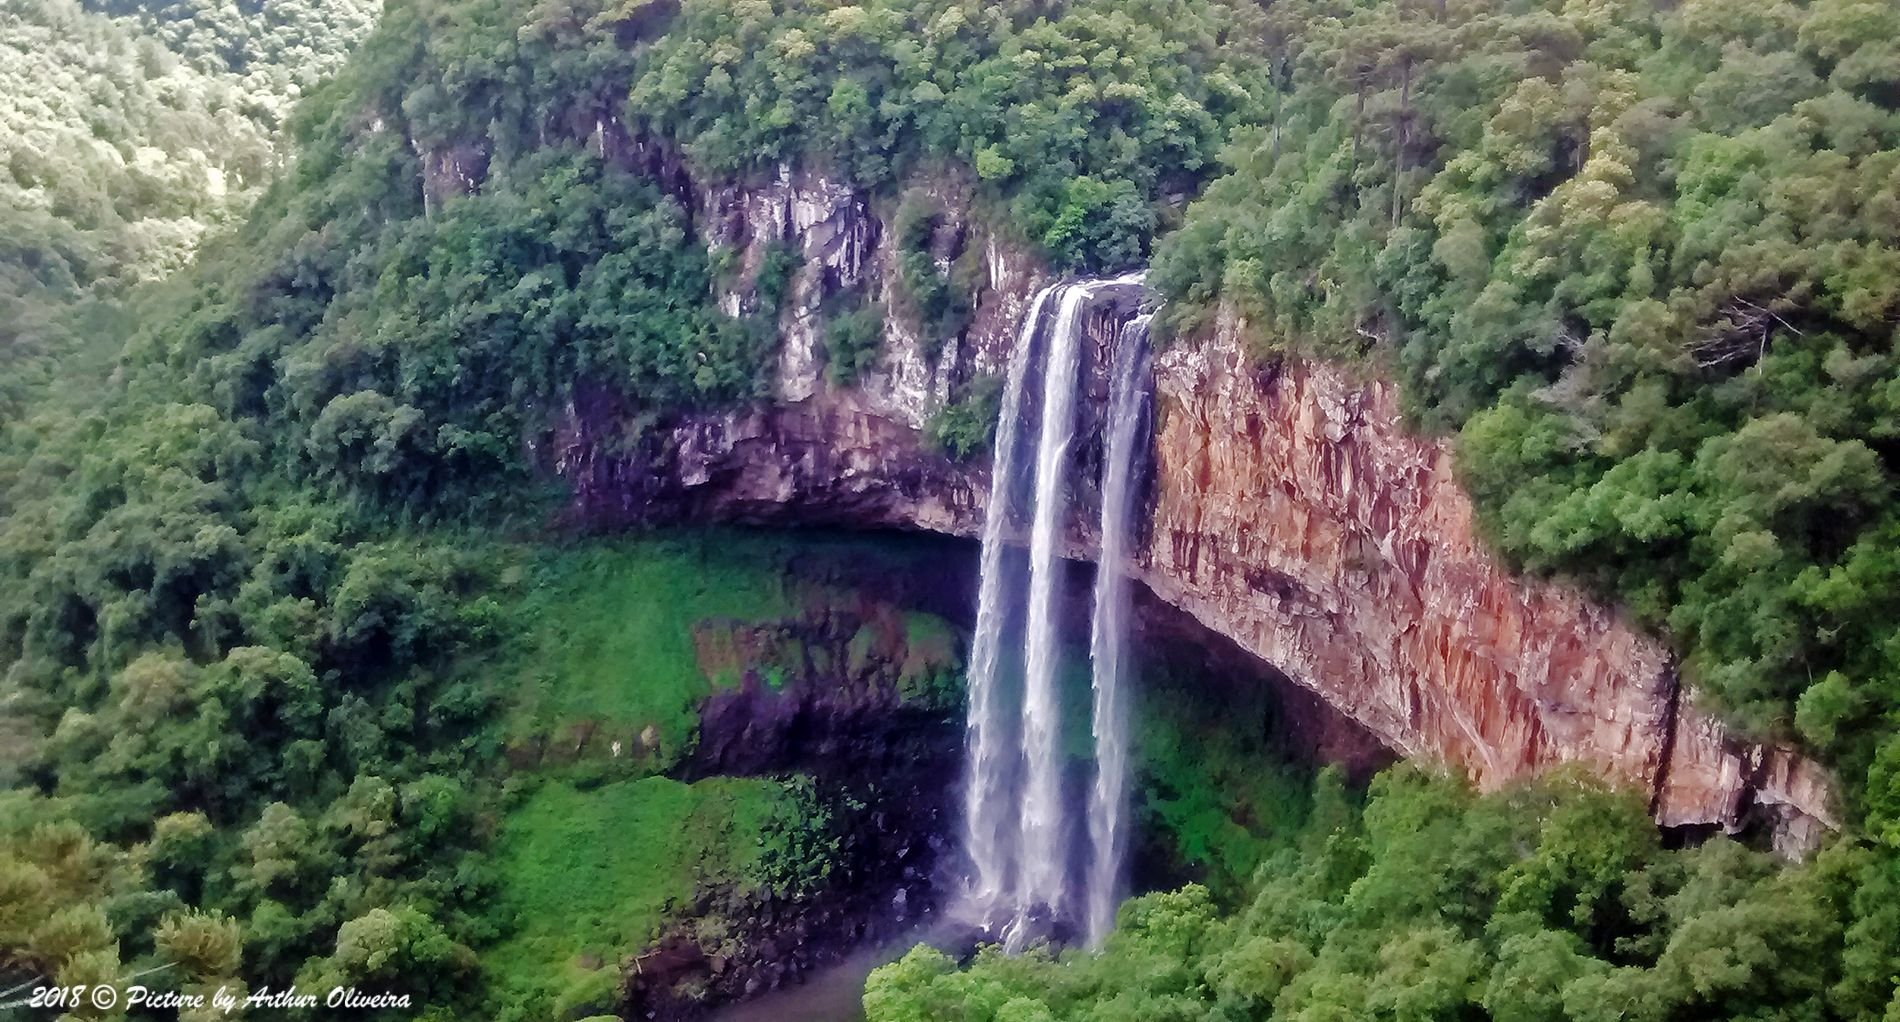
{"points": [[1018, 830]]}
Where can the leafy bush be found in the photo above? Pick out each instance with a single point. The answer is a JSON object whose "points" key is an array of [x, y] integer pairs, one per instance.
{"points": [[940, 309], [1551, 901], [773, 281], [1099, 224], [853, 339], [965, 427]]}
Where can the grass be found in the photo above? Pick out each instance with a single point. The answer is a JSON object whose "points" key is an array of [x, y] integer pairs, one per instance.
{"points": [[611, 630], [595, 860], [609, 625], [597, 873]]}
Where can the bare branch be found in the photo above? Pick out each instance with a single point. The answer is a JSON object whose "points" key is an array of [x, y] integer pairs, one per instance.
{"points": [[1740, 336]]}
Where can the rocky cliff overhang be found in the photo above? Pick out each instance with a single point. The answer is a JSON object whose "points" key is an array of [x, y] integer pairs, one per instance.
{"points": [[1289, 510]]}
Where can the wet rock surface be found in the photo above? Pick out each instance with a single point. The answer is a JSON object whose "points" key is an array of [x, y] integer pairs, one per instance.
{"points": [[852, 693]]}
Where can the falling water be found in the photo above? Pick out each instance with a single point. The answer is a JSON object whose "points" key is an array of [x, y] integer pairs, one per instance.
{"points": [[986, 795], [1044, 830], [1108, 838], [1017, 830]]}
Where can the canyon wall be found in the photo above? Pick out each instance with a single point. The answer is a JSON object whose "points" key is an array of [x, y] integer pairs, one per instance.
{"points": [[1294, 513], [1290, 510]]}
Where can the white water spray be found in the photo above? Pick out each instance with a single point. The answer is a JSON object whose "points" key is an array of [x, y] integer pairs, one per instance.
{"points": [[1044, 841], [1017, 827], [988, 768], [1108, 632]]}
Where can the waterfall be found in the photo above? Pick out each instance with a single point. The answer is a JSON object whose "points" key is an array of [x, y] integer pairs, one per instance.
{"points": [[1044, 838], [1108, 827], [986, 788], [1018, 831]]}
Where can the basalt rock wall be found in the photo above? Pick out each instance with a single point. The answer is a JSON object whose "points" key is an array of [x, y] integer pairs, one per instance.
{"points": [[1289, 510], [1294, 513]]}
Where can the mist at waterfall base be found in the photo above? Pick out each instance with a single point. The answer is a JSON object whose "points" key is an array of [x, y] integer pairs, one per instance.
{"points": [[1020, 835]]}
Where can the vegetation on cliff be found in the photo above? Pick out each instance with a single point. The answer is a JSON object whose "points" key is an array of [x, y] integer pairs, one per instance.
{"points": [[1642, 259], [1646, 259], [1080, 118]]}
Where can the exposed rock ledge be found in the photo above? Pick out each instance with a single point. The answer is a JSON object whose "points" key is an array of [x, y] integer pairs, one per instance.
{"points": [[1290, 511]]}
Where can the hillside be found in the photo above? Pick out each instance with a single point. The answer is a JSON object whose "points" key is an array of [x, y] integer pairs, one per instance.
{"points": [[309, 674], [129, 132]]}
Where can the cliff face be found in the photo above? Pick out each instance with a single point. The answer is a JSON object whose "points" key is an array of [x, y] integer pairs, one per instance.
{"points": [[1295, 514], [1290, 511]]}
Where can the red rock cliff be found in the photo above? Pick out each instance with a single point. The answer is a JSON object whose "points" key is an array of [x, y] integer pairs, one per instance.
{"points": [[1295, 514]]}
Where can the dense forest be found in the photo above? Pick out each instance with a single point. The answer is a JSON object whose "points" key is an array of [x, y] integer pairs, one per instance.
{"points": [[271, 629], [1645, 265], [1554, 901], [129, 130]]}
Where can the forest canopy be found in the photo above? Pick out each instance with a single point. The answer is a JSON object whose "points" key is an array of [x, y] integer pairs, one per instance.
{"points": [[1641, 260], [248, 573], [126, 138], [1550, 901], [129, 132], [1645, 261]]}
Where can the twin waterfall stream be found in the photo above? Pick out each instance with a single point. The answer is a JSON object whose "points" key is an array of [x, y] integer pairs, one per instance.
{"points": [[1019, 830]]}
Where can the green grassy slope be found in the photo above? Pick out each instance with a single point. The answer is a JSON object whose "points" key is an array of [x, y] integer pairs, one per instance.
{"points": [[590, 876], [612, 629], [595, 854]]}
